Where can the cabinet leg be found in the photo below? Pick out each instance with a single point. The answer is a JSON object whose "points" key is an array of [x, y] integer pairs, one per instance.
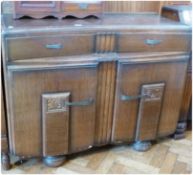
{"points": [[54, 161], [180, 130], [5, 161], [142, 145]]}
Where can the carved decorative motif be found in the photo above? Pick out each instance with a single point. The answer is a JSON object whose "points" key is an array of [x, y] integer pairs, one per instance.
{"points": [[55, 102], [154, 92]]}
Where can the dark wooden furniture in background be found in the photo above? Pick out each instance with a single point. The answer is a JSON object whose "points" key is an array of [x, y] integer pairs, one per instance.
{"points": [[58, 9], [183, 14]]}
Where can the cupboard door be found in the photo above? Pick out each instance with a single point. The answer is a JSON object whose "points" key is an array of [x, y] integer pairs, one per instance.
{"points": [[139, 117], [52, 109]]}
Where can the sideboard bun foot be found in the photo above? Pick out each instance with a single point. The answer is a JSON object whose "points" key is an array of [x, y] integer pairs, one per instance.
{"points": [[54, 161], [180, 131], [5, 161], [142, 146], [178, 136]]}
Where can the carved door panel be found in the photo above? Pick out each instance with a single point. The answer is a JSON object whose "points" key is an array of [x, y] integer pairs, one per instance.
{"points": [[147, 100], [52, 108]]}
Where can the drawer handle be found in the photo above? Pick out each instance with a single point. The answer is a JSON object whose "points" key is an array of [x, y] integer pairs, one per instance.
{"points": [[80, 103], [54, 46], [152, 42], [83, 6], [128, 98]]}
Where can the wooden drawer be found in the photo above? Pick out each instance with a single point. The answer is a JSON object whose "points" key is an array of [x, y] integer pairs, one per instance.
{"points": [[37, 6], [52, 46], [81, 7], [35, 9], [154, 42]]}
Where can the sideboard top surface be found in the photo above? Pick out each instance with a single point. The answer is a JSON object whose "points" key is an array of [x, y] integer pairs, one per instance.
{"points": [[111, 22]]}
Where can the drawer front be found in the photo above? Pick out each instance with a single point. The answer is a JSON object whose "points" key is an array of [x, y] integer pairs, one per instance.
{"points": [[81, 7], [40, 47], [54, 107], [153, 42], [147, 101], [36, 6]]}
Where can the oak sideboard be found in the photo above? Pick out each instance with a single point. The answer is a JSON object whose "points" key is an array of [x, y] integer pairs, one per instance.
{"points": [[73, 84]]}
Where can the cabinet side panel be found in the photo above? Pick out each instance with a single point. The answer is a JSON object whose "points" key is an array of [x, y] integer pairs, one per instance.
{"points": [[3, 123], [186, 97], [4, 140]]}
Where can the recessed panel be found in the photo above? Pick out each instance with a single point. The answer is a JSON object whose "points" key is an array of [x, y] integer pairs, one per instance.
{"points": [[55, 123], [149, 111]]}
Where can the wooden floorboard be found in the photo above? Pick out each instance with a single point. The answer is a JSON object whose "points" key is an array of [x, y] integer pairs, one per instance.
{"points": [[167, 156]]}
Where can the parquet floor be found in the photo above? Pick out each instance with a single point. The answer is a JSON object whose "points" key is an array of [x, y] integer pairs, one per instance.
{"points": [[167, 156]]}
